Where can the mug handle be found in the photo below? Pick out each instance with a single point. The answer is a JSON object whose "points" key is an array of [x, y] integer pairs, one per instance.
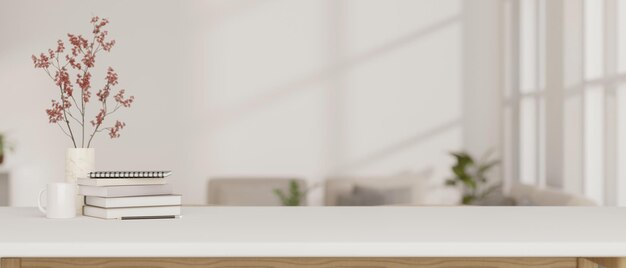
{"points": [[41, 208]]}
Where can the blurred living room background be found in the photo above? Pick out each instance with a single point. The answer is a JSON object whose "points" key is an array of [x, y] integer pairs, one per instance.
{"points": [[338, 102]]}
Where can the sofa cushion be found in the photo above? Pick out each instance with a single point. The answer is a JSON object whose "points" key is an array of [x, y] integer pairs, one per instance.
{"points": [[336, 188], [528, 195], [369, 196]]}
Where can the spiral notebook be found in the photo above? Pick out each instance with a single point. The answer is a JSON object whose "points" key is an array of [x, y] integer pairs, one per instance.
{"points": [[128, 174]]}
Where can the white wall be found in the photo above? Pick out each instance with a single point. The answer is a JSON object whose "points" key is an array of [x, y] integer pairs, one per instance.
{"points": [[285, 88]]}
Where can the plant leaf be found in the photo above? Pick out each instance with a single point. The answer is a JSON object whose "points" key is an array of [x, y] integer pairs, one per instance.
{"points": [[451, 182], [458, 171], [468, 199], [470, 183]]}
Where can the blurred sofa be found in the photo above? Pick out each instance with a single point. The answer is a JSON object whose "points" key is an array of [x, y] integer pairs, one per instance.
{"points": [[528, 195], [412, 189], [248, 191], [400, 189]]}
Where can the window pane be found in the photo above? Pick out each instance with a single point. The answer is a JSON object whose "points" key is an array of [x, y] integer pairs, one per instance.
{"points": [[621, 145], [541, 169], [621, 28], [508, 53], [508, 144], [528, 141], [573, 45], [528, 46], [573, 149], [594, 38], [541, 45], [594, 144]]}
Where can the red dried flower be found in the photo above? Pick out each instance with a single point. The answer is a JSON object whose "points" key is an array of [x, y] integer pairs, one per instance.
{"points": [[114, 131], [72, 62], [107, 46], [89, 59], [104, 93], [62, 79], [55, 114], [60, 46], [42, 62], [74, 51], [81, 56], [111, 77], [78, 41], [100, 37], [119, 97], [97, 25], [99, 118], [51, 53], [84, 82]]}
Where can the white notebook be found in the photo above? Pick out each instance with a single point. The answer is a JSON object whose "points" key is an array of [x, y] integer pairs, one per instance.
{"points": [[133, 201], [131, 213], [114, 182], [130, 190]]}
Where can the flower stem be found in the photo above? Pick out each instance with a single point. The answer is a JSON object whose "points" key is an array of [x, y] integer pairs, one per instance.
{"points": [[67, 121]]}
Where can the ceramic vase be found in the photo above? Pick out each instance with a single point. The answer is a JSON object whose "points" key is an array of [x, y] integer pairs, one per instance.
{"points": [[78, 163]]}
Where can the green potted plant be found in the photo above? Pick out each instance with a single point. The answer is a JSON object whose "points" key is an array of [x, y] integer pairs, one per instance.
{"points": [[294, 197], [470, 175], [1, 148], [4, 147]]}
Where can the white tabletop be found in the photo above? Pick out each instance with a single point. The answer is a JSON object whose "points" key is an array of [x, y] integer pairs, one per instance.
{"points": [[324, 232]]}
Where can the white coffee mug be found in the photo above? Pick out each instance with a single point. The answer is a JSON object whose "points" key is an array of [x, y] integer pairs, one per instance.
{"points": [[60, 200]]}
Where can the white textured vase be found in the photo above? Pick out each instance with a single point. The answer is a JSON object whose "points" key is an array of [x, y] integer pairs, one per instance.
{"points": [[79, 162]]}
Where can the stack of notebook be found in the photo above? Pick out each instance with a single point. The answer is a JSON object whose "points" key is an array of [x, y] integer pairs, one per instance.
{"points": [[129, 195]]}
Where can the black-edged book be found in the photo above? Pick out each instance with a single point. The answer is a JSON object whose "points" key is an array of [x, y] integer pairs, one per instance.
{"points": [[160, 212], [128, 174]]}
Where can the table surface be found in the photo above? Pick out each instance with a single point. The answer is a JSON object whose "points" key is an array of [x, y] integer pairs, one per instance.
{"points": [[325, 232]]}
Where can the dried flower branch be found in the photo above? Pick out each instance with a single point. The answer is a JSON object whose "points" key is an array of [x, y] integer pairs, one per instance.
{"points": [[80, 58]]}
